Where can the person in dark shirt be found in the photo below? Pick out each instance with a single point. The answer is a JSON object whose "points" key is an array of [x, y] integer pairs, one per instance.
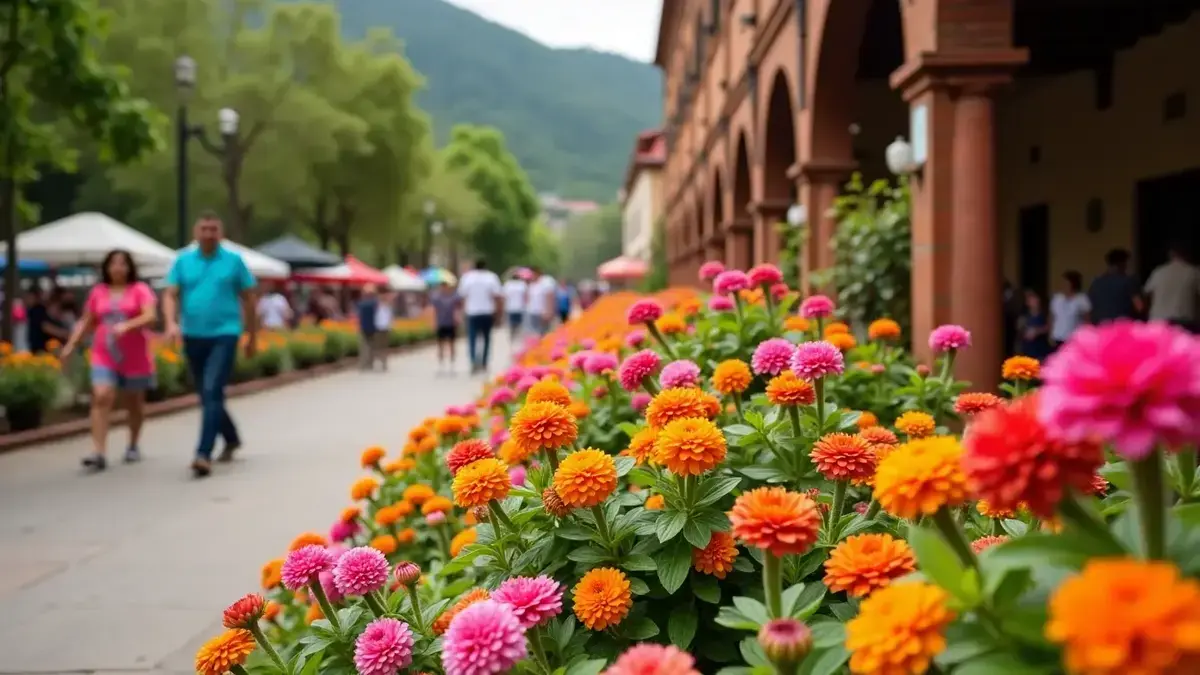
{"points": [[1035, 327], [1115, 294], [43, 326], [446, 305], [368, 305]]}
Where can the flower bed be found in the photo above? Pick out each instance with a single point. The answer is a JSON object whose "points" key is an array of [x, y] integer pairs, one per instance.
{"points": [[661, 487], [36, 389]]}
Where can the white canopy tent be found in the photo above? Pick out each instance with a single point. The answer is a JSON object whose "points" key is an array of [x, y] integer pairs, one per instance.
{"points": [[400, 279], [85, 238], [262, 266]]}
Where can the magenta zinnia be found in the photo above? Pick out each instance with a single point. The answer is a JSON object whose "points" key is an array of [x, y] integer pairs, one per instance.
{"points": [[817, 359], [636, 368], [682, 373], [532, 600], [383, 648], [772, 357], [304, 566], [484, 639]]}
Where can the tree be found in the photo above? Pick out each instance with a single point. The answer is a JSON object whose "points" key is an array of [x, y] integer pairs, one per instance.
{"points": [[453, 203], [51, 79], [656, 276], [592, 239], [545, 250]]}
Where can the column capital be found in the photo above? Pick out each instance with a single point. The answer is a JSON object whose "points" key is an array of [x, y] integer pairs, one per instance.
{"points": [[975, 71], [763, 206], [738, 226], [817, 171]]}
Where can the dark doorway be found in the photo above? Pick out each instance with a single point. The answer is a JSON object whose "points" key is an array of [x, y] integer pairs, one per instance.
{"points": [[1033, 246], [1166, 214]]}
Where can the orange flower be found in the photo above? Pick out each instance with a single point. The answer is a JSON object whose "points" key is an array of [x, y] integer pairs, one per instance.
{"points": [[836, 328], [350, 514], [974, 402], [388, 515], [437, 504], [585, 478], [398, 466], [306, 539], [883, 329], [898, 630], [416, 434], [843, 341], [579, 409], [862, 563], [548, 391], [655, 503], [1127, 616], [776, 520], [844, 457], [314, 613], [717, 558], [472, 596], [513, 454], [451, 425], [690, 447], [916, 424], [796, 323], [1020, 368], [866, 420], [481, 482], [271, 573], [462, 540], [982, 543], [920, 477], [879, 436], [363, 488], [220, 654], [543, 425], [670, 324], [678, 403], [602, 598], [641, 446], [731, 377], [272, 610], [385, 544], [371, 456], [427, 445], [244, 612], [785, 389], [985, 509], [417, 493]]}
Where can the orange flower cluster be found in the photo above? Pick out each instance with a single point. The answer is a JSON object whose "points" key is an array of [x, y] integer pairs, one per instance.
{"points": [[844, 457], [732, 377], [776, 520], [679, 403], [716, 559], [920, 477], [898, 630], [481, 482], [543, 425], [788, 390], [864, 563], [690, 447], [602, 598], [585, 478]]}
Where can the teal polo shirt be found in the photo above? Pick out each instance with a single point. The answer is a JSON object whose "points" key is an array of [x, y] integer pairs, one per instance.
{"points": [[210, 291]]}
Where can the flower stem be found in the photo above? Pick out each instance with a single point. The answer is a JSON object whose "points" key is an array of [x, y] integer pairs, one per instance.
{"points": [[773, 584], [650, 386], [552, 458], [539, 650], [997, 527], [326, 607], [839, 503], [238, 669], [263, 642], [501, 516], [444, 542], [1074, 512], [376, 608], [944, 521], [661, 339], [819, 390], [1151, 501], [414, 599], [602, 526], [794, 416], [1187, 473], [873, 509], [737, 404]]}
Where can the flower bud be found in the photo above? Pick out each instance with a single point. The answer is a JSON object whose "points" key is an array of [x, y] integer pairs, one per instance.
{"points": [[785, 641], [554, 504], [407, 573], [923, 370], [245, 612], [481, 513]]}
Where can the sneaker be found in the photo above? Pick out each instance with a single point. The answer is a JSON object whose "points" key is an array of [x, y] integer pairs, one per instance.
{"points": [[227, 452], [132, 454], [94, 463], [201, 468]]}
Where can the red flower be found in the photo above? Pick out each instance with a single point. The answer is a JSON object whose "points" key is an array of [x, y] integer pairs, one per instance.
{"points": [[245, 612], [1010, 459], [467, 452]]}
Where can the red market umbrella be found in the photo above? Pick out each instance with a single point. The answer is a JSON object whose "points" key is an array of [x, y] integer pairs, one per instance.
{"points": [[622, 268], [353, 272]]}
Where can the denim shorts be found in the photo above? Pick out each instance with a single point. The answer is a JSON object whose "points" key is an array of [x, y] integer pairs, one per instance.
{"points": [[108, 377]]}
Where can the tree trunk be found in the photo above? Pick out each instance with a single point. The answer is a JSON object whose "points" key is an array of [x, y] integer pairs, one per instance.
{"points": [[12, 280]]}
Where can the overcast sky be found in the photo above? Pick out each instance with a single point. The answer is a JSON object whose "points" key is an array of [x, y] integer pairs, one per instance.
{"points": [[628, 27]]}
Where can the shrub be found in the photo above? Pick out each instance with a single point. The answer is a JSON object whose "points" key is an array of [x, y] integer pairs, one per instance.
{"points": [[29, 385]]}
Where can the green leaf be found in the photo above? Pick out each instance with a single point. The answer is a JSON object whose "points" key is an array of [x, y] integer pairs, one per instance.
{"points": [[714, 489], [681, 627], [588, 667], [828, 633], [669, 524], [462, 561], [730, 617], [573, 532], [965, 641], [588, 554], [937, 560], [673, 565], [790, 596], [643, 628], [807, 602], [738, 430], [1040, 549], [706, 588], [629, 428], [638, 587], [624, 464], [696, 534], [639, 563], [313, 665], [752, 609], [764, 473], [1001, 664], [752, 652], [825, 661], [1006, 587]]}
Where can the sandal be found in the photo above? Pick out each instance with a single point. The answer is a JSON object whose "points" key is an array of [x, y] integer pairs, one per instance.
{"points": [[94, 463]]}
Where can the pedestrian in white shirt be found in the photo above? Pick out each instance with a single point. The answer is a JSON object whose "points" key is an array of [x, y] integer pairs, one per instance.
{"points": [[481, 292], [515, 290], [1174, 290], [539, 306], [383, 329], [274, 311], [1069, 309]]}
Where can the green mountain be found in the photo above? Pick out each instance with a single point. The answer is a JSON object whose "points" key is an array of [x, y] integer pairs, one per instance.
{"points": [[570, 115]]}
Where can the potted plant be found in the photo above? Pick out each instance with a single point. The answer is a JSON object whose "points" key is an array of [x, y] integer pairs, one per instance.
{"points": [[29, 385]]}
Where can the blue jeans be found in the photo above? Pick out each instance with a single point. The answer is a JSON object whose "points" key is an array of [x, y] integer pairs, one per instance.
{"points": [[210, 361], [479, 326]]}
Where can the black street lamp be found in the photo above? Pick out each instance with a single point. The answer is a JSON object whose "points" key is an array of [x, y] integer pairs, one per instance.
{"points": [[227, 123]]}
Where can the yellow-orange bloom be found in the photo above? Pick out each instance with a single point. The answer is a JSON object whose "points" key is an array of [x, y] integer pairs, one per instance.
{"points": [[417, 493], [451, 425], [883, 329], [670, 324], [844, 457], [306, 539], [350, 513], [796, 323], [655, 503], [1022, 368], [985, 509], [863, 563], [548, 391], [776, 520], [388, 515], [678, 403], [272, 572], [585, 478], [427, 445], [898, 630], [836, 328], [866, 420], [480, 482], [785, 389], [314, 613], [579, 409], [399, 465], [690, 446], [641, 446], [417, 433], [717, 558], [543, 425], [916, 424], [602, 598], [462, 540], [220, 654], [371, 456], [731, 377], [385, 544], [1123, 616], [437, 504], [513, 454], [470, 598], [920, 477], [363, 488], [843, 341]]}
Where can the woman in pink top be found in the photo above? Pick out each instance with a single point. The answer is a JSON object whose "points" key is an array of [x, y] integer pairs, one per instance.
{"points": [[119, 310]]}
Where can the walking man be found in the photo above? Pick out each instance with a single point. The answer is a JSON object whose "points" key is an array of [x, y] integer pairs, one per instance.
{"points": [[1174, 290], [480, 290], [367, 307], [209, 301]]}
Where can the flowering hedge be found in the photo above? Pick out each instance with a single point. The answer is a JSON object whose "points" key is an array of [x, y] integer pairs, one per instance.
{"points": [[662, 487]]}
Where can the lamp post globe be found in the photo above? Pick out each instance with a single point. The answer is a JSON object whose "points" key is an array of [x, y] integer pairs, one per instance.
{"points": [[227, 121], [797, 215], [185, 72], [430, 207], [899, 157]]}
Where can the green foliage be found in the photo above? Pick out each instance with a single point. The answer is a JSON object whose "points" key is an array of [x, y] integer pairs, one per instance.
{"points": [[656, 277], [791, 252], [545, 251], [590, 240]]}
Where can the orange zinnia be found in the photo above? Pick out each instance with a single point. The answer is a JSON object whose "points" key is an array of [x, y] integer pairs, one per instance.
{"points": [[836, 328], [350, 513], [363, 488], [866, 420], [717, 558], [306, 539], [602, 598], [690, 447], [843, 341], [543, 425], [585, 478], [417, 493], [1127, 616], [844, 457], [880, 439], [548, 391], [513, 453], [220, 654], [314, 613], [655, 503], [427, 445], [680, 402], [385, 544], [1021, 368], [920, 477], [796, 323], [776, 520], [417, 433], [731, 377], [883, 329], [399, 465], [437, 504], [472, 596], [670, 324], [862, 563], [451, 425], [272, 573], [462, 540], [481, 482], [898, 630], [785, 389], [387, 515], [916, 424], [641, 446], [371, 456], [579, 409]]}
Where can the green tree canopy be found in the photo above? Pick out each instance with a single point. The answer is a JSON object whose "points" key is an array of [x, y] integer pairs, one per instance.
{"points": [[591, 239]]}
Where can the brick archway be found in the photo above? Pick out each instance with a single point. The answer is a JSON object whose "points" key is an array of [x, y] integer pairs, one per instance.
{"points": [[714, 245], [778, 155], [739, 241]]}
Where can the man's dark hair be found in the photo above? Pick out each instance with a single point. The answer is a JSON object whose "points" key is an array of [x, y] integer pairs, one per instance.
{"points": [[1178, 250], [207, 214], [1074, 280], [480, 264], [106, 276], [1117, 257]]}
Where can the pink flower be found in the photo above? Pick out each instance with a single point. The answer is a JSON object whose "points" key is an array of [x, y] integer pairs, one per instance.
{"points": [[532, 600], [765, 274], [949, 337], [772, 357], [525, 383], [681, 373], [710, 269], [577, 359], [540, 371], [330, 587], [816, 307], [817, 359], [644, 311], [638, 367], [600, 391], [780, 291], [513, 375], [501, 396], [435, 518], [483, 639], [384, 647], [730, 281], [635, 338], [304, 565], [343, 530], [640, 400], [499, 437], [599, 362], [1132, 384], [360, 571], [587, 343], [651, 659], [517, 475], [720, 303], [558, 352]]}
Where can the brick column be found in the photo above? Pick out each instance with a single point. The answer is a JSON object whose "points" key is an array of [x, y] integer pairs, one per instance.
{"points": [[820, 185], [738, 253]]}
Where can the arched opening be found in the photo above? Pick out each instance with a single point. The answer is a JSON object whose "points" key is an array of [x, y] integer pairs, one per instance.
{"points": [[742, 235], [715, 249], [779, 154]]}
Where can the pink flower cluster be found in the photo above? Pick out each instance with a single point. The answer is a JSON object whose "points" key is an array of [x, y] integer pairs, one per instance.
{"points": [[360, 571], [304, 566], [817, 307], [644, 311], [635, 338], [949, 337], [533, 600], [384, 647], [710, 269], [720, 303], [817, 359], [599, 362], [765, 274], [772, 357], [650, 659], [636, 368], [483, 639], [681, 373], [501, 396], [730, 281]]}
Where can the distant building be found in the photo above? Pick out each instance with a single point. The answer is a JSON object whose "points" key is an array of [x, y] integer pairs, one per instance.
{"points": [[642, 195], [558, 212]]}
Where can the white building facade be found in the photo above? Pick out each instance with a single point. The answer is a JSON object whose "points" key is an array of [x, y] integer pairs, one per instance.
{"points": [[642, 201]]}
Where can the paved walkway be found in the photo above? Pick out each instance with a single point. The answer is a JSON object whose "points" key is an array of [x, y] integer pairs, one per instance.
{"points": [[128, 571]]}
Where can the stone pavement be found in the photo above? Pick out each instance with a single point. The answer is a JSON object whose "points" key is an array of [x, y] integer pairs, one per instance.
{"points": [[128, 571]]}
